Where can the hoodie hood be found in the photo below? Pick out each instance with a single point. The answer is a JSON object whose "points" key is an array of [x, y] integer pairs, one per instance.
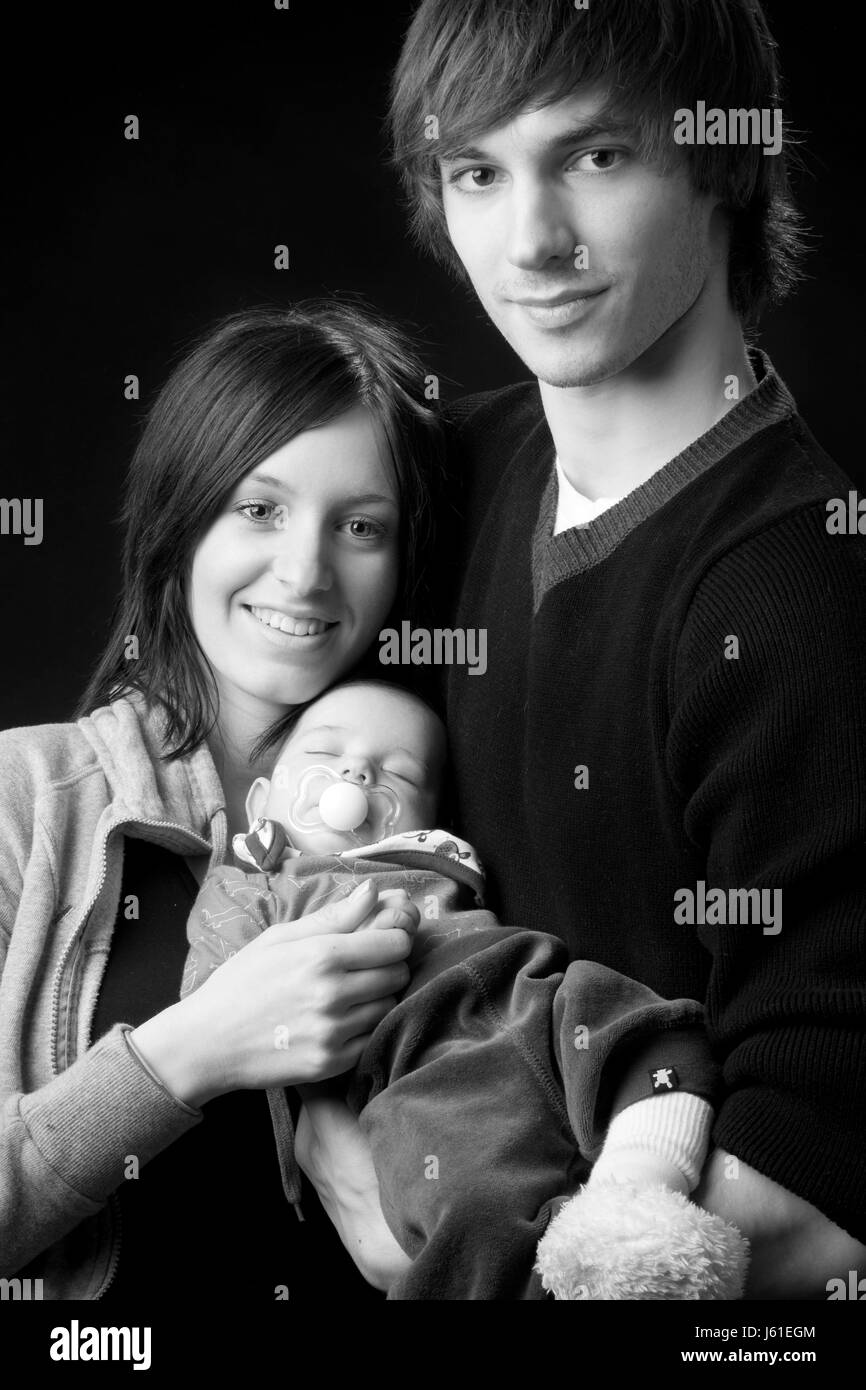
{"points": [[128, 737]]}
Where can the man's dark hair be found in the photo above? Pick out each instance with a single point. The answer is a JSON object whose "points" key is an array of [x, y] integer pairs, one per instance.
{"points": [[475, 64]]}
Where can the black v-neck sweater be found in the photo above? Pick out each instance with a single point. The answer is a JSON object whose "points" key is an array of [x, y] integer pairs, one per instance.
{"points": [[609, 648]]}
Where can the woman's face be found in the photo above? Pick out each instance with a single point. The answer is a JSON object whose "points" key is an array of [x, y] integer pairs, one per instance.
{"points": [[295, 578]]}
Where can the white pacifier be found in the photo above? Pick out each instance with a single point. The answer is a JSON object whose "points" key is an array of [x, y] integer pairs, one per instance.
{"points": [[343, 807], [324, 800]]}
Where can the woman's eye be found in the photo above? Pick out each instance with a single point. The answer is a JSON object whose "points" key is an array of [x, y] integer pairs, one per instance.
{"points": [[365, 528], [603, 160], [469, 180], [259, 512]]}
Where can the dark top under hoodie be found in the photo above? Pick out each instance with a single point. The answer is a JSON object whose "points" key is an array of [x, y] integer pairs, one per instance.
{"points": [[709, 763]]}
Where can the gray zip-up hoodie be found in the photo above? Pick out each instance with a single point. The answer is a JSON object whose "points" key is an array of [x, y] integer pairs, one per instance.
{"points": [[72, 1113]]}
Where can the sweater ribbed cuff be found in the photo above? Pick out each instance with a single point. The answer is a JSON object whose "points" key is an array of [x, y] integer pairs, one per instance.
{"points": [[104, 1109], [675, 1128]]}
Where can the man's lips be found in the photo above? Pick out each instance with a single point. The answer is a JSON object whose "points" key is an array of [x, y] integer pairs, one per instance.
{"points": [[558, 312], [553, 300], [293, 625]]}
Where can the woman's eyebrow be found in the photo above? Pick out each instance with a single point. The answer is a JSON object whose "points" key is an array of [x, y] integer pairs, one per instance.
{"points": [[356, 499]]}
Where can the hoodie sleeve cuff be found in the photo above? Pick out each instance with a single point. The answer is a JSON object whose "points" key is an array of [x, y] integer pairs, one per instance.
{"points": [[106, 1108]]}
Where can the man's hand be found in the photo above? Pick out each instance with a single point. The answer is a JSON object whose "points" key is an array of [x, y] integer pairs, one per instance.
{"points": [[332, 1151], [795, 1249]]}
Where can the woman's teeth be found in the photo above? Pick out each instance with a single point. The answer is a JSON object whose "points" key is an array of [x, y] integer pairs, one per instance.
{"points": [[296, 627]]}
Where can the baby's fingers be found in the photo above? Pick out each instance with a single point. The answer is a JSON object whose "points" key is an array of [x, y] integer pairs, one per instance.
{"points": [[385, 918]]}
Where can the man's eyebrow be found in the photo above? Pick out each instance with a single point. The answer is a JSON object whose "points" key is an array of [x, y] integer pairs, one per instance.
{"points": [[574, 135], [358, 499]]}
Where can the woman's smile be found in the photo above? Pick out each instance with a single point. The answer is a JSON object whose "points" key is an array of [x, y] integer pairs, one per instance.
{"points": [[288, 630]]}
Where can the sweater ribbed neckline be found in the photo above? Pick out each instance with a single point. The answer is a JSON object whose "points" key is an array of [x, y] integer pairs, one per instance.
{"points": [[557, 558]]}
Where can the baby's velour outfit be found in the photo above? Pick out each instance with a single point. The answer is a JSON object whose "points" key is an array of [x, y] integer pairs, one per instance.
{"points": [[486, 1092]]}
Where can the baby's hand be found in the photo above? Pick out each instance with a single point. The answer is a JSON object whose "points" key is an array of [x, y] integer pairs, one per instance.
{"points": [[391, 908], [394, 909]]}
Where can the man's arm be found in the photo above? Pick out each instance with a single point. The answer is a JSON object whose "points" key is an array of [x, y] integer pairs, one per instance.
{"points": [[795, 1249], [769, 754], [333, 1152]]}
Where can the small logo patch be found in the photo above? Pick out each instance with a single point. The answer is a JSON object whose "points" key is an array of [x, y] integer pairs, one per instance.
{"points": [[664, 1079]]}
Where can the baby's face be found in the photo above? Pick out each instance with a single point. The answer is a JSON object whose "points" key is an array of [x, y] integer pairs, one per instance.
{"points": [[365, 737]]}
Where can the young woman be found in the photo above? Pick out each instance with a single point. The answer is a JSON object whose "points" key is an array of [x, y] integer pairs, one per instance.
{"points": [[277, 509]]}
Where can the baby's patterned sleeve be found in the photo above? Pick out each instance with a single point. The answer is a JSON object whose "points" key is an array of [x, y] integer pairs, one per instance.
{"points": [[231, 910]]}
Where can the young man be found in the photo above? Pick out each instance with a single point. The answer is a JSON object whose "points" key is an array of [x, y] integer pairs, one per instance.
{"points": [[672, 725]]}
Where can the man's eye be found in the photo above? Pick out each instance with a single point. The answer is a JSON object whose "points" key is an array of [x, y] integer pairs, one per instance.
{"points": [[469, 180], [602, 160]]}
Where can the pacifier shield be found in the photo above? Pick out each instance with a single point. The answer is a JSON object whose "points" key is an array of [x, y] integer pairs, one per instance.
{"points": [[325, 800]]}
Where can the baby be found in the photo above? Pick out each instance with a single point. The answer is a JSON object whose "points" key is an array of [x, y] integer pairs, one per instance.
{"points": [[503, 1072]]}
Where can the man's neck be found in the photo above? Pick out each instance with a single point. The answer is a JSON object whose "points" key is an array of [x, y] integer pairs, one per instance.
{"points": [[613, 436]]}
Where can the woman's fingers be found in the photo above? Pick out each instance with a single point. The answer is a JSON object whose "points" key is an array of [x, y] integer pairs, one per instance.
{"points": [[347, 1056], [365, 1017], [384, 911], [369, 950], [339, 915], [363, 985]]}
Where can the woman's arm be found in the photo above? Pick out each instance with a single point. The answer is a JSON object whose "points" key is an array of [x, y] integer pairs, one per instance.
{"points": [[63, 1146]]}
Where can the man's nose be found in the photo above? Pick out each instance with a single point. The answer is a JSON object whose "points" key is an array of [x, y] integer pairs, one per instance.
{"points": [[358, 770], [541, 226], [302, 558]]}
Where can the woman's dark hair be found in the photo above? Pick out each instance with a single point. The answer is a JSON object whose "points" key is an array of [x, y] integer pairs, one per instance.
{"points": [[476, 64], [255, 381]]}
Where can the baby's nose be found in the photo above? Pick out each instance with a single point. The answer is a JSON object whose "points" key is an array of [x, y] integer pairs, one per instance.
{"points": [[358, 770]]}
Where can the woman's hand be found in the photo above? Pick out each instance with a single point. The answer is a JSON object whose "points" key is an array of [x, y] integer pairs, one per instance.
{"points": [[335, 1156], [298, 1004]]}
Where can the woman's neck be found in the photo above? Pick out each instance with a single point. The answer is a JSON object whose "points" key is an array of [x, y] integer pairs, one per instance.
{"points": [[231, 743]]}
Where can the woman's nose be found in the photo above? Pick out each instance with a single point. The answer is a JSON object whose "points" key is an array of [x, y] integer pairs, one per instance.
{"points": [[359, 770], [541, 227], [302, 560]]}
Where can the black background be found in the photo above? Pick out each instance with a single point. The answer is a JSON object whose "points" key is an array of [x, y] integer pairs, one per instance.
{"points": [[258, 127]]}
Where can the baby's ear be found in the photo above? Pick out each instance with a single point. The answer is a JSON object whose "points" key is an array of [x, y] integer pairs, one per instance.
{"points": [[257, 799]]}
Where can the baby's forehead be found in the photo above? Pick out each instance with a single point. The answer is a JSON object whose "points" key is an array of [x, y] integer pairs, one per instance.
{"points": [[350, 709]]}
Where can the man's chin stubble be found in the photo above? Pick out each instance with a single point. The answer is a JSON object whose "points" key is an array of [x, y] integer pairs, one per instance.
{"points": [[572, 375]]}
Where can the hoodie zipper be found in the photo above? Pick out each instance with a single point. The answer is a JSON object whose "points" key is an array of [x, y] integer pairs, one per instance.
{"points": [[74, 944]]}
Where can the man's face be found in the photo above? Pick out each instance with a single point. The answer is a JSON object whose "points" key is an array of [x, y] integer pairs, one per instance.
{"points": [[522, 199]]}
